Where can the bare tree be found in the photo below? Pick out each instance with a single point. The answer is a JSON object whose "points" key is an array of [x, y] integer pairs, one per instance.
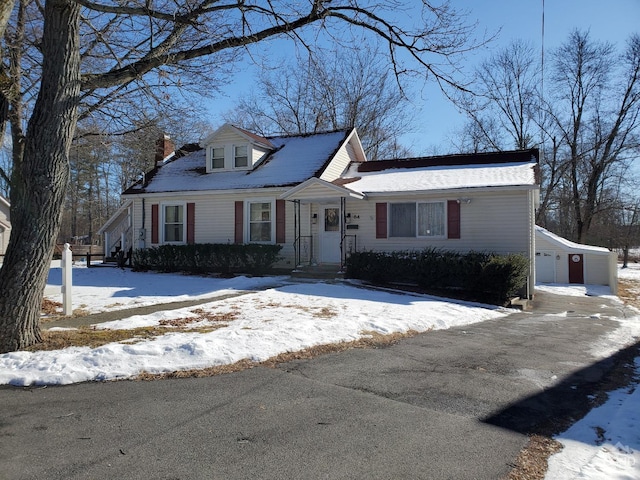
{"points": [[596, 107], [122, 46], [333, 90], [587, 128], [503, 108]]}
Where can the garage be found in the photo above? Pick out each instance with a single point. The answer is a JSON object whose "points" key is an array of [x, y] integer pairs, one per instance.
{"points": [[559, 260]]}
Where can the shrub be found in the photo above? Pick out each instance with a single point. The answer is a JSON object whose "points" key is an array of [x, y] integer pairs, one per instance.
{"points": [[208, 257], [381, 267], [479, 275], [505, 275]]}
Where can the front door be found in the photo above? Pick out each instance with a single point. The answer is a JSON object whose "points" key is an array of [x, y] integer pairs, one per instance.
{"points": [[330, 234], [576, 268]]}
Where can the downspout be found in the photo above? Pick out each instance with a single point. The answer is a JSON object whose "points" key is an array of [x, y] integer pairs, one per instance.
{"points": [[532, 245], [296, 229], [143, 233], [343, 219]]}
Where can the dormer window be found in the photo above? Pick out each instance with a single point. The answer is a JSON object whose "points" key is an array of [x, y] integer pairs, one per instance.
{"points": [[230, 148], [217, 158], [240, 156]]}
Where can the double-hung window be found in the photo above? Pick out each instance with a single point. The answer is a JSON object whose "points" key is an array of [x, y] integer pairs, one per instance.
{"points": [[417, 219], [240, 156], [261, 225], [217, 158], [173, 218]]}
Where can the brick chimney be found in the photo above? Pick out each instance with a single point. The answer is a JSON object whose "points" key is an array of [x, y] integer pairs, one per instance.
{"points": [[164, 148]]}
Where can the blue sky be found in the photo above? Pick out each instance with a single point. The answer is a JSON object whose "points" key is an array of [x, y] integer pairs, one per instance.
{"points": [[436, 119]]}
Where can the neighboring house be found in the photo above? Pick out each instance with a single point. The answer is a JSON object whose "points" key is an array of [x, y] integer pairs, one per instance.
{"points": [[559, 260], [318, 197], [5, 224]]}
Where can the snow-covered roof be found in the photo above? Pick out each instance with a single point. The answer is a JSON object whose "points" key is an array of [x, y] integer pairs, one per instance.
{"points": [[444, 178], [294, 160], [568, 244]]}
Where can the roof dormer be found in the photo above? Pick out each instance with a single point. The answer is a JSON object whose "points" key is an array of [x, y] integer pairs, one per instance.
{"points": [[231, 149]]}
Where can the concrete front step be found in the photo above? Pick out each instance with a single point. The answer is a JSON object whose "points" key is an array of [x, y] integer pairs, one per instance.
{"points": [[318, 271]]}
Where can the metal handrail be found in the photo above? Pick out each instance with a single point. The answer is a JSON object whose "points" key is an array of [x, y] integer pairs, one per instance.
{"points": [[348, 245], [303, 248], [116, 235]]}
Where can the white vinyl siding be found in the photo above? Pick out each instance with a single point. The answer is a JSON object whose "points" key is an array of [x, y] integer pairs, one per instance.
{"points": [[339, 163], [232, 151], [215, 217], [598, 266], [492, 221]]}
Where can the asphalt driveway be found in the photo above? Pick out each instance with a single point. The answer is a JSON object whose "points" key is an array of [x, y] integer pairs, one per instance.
{"points": [[451, 404]]}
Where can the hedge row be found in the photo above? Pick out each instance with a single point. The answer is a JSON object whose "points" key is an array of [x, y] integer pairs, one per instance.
{"points": [[480, 275], [208, 257]]}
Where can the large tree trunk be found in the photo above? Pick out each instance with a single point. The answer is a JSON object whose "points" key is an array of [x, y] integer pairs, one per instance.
{"points": [[40, 180]]}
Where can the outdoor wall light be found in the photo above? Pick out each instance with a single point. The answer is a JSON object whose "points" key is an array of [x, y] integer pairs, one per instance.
{"points": [[464, 200]]}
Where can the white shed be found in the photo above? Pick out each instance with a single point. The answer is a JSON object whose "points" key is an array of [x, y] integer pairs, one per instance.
{"points": [[559, 260]]}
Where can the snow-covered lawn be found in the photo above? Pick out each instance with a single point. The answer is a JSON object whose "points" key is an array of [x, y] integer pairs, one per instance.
{"points": [[605, 444], [282, 317], [632, 272], [287, 316], [102, 289]]}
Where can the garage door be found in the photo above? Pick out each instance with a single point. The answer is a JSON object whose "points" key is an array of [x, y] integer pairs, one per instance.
{"points": [[545, 266]]}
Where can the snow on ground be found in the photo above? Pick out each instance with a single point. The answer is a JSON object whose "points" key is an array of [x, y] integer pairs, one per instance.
{"points": [[255, 326], [632, 272], [576, 290], [605, 444], [103, 289], [288, 316]]}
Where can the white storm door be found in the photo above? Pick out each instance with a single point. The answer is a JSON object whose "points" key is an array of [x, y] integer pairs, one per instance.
{"points": [[330, 234]]}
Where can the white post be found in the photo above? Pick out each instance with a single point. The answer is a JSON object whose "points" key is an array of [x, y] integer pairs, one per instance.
{"points": [[67, 307], [107, 245]]}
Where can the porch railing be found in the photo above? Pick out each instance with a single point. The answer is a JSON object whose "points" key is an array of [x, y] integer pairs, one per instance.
{"points": [[348, 246], [119, 237], [303, 248]]}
